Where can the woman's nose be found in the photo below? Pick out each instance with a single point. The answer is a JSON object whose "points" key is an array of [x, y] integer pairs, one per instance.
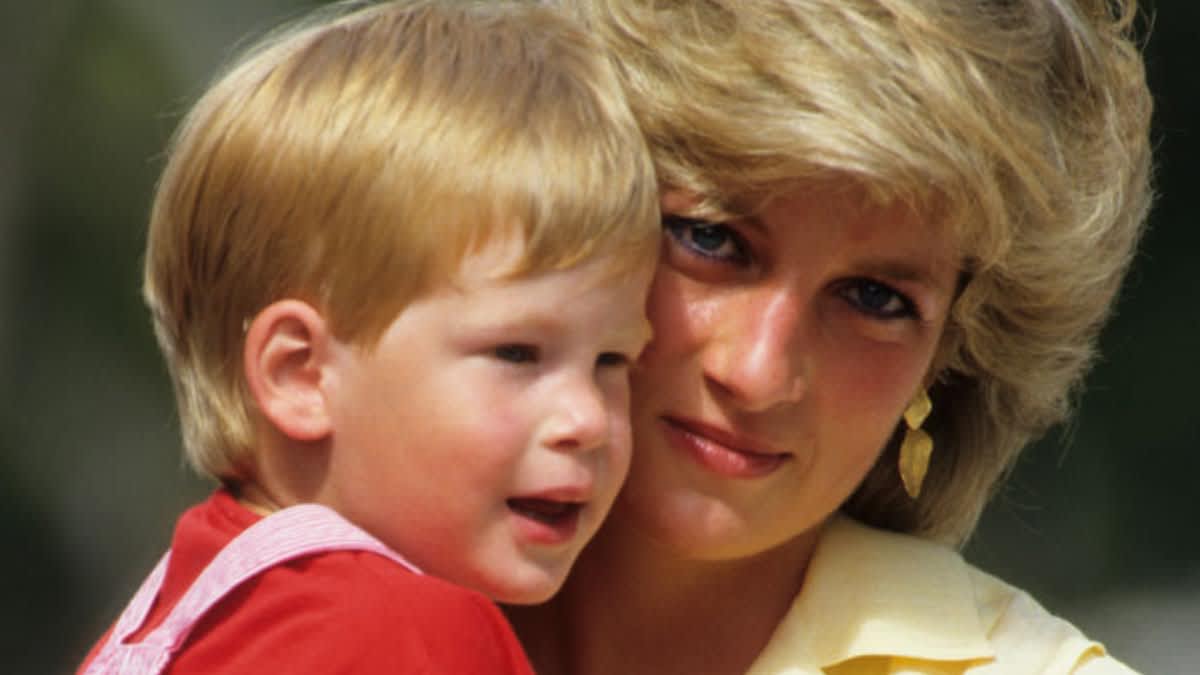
{"points": [[756, 355], [579, 420]]}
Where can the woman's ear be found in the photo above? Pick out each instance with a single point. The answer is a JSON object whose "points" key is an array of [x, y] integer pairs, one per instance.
{"points": [[287, 347]]}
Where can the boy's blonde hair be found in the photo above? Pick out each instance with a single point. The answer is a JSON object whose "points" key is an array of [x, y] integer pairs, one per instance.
{"points": [[1021, 127], [353, 162]]}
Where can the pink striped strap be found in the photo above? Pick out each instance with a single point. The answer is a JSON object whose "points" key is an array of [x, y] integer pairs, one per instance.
{"points": [[285, 535]]}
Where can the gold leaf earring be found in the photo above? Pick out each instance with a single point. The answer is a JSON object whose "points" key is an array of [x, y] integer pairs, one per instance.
{"points": [[917, 445]]}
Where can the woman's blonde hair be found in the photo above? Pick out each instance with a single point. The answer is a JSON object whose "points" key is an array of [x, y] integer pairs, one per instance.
{"points": [[355, 160], [1019, 125]]}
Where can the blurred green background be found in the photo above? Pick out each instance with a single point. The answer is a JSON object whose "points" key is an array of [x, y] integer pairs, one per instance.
{"points": [[1097, 522]]}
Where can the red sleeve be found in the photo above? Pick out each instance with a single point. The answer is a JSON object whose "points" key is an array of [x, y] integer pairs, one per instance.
{"points": [[351, 612]]}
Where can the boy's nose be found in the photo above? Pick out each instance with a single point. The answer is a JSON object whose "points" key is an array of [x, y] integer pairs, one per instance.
{"points": [[580, 418]]}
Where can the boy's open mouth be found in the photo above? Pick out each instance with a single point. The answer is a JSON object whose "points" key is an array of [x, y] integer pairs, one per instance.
{"points": [[546, 511]]}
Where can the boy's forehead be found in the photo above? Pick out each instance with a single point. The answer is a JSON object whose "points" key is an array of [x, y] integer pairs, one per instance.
{"points": [[504, 258], [500, 256], [559, 304]]}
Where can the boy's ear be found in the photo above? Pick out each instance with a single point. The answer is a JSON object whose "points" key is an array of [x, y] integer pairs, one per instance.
{"points": [[287, 346]]}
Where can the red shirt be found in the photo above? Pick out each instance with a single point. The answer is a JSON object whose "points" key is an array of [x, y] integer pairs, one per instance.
{"points": [[339, 612]]}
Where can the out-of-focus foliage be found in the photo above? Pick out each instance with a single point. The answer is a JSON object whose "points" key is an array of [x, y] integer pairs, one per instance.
{"points": [[1096, 521]]}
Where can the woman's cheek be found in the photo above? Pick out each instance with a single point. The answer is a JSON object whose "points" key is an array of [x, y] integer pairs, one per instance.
{"points": [[674, 311]]}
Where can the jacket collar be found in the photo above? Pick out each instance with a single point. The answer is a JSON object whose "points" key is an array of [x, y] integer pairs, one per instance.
{"points": [[873, 593]]}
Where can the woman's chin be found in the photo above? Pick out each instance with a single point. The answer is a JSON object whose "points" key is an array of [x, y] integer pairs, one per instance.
{"points": [[688, 524]]}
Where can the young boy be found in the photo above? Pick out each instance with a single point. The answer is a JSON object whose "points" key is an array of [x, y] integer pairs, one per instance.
{"points": [[397, 264]]}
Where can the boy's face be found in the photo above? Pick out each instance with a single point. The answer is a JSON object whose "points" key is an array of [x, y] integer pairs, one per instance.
{"points": [[487, 433]]}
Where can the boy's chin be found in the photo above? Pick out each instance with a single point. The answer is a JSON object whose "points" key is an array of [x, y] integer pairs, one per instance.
{"points": [[533, 587]]}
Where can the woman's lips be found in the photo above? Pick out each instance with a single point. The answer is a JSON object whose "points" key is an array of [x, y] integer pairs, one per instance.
{"points": [[722, 452]]}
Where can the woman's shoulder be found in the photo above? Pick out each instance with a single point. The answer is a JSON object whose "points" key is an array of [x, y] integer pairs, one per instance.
{"points": [[881, 600], [1028, 638]]}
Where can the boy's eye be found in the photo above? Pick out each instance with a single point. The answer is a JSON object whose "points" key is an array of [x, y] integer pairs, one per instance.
{"points": [[711, 240], [516, 353], [878, 299], [610, 359]]}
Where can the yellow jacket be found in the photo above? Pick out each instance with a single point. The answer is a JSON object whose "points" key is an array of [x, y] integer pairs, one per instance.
{"points": [[879, 603]]}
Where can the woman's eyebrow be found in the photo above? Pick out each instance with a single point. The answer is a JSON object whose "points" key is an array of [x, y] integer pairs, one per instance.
{"points": [[753, 222], [907, 271]]}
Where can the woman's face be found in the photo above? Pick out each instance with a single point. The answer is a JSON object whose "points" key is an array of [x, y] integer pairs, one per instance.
{"points": [[786, 347]]}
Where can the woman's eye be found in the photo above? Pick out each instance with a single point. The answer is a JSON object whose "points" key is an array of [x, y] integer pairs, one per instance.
{"points": [[878, 299], [711, 240], [610, 359], [516, 353]]}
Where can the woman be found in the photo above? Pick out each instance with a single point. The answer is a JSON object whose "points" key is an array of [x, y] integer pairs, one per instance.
{"points": [[889, 224]]}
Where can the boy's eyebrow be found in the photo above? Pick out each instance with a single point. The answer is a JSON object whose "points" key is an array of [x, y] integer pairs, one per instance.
{"points": [[643, 332], [504, 318], [542, 320], [636, 334]]}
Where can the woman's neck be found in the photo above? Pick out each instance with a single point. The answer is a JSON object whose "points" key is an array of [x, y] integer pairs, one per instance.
{"points": [[631, 606]]}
